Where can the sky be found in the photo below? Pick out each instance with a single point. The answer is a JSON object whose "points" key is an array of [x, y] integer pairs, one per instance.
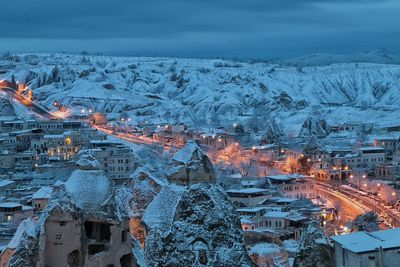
{"points": [[258, 29]]}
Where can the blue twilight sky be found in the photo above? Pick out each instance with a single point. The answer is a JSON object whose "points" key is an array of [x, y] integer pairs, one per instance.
{"points": [[202, 28]]}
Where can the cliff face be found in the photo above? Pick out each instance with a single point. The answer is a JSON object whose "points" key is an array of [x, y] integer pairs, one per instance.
{"points": [[204, 230]]}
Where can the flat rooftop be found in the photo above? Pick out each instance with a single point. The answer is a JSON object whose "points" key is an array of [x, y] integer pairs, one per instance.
{"points": [[363, 242]]}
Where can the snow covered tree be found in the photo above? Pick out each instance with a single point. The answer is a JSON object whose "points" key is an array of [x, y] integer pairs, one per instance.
{"points": [[239, 129], [365, 222]]}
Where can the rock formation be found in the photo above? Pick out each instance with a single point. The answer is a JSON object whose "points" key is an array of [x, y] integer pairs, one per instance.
{"points": [[314, 125], [190, 165], [194, 226], [314, 250], [273, 134]]}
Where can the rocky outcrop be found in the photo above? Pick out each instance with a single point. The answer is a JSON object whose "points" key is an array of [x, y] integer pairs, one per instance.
{"points": [[314, 250], [6, 108], [198, 227], [273, 134], [313, 146], [314, 125], [190, 165]]}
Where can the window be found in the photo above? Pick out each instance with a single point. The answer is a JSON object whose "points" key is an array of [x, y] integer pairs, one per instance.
{"points": [[124, 236], [62, 223], [58, 236]]}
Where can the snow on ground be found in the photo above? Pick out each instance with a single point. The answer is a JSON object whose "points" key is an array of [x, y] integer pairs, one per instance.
{"points": [[215, 92]]}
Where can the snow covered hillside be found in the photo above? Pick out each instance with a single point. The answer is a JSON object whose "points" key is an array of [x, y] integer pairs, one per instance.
{"points": [[214, 92]]}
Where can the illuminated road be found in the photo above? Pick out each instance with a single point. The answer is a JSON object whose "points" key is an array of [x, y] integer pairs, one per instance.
{"points": [[349, 209], [27, 102], [354, 204]]}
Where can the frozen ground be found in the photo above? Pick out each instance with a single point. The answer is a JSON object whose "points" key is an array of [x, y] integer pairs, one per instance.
{"points": [[215, 92]]}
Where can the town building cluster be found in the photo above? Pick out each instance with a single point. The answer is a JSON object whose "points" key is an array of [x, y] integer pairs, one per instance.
{"points": [[34, 154]]}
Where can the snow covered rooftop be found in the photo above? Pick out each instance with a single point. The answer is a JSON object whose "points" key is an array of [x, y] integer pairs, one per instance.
{"points": [[6, 182], [43, 193], [286, 177], [248, 190], [367, 148], [10, 205], [251, 209], [284, 199], [185, 155], [363, 242], [265, 249], [276, 214]]}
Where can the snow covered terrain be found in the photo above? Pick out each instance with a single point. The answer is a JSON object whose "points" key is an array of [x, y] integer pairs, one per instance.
{"points": [[216, 92]]}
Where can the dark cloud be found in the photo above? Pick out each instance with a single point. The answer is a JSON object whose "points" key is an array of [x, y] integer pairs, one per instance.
{"points": [[201, 28]]}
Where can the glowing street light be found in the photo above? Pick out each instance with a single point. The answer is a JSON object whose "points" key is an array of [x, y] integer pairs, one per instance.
{"points": [[83, 110]]}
